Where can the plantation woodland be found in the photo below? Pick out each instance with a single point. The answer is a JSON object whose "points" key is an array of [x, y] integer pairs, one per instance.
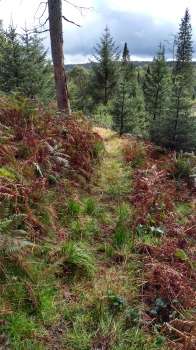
{"points": [[97, 194]]}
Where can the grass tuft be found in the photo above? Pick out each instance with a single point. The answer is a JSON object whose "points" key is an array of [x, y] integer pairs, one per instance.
{"points": [[78, 258], [73, 208]]}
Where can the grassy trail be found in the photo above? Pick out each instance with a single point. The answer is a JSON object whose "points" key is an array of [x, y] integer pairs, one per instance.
{"points": [[106, 310], [86, 289]]}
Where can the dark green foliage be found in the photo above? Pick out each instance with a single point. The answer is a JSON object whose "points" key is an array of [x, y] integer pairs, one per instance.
{"points": [[12, 69], [169, 100], [105, 71], [180, 129], [184, 52], [128, 104], [24, 65], [38, 77], [126, 56], [132, 317], [182, 168], [116, 303], [156, 88], [79, 86]]}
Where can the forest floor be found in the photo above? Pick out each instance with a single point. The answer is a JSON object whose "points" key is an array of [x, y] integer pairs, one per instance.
{"points": [[128, 283], [109, 311]]}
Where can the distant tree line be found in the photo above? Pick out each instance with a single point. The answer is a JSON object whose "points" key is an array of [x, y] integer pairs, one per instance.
{"points": [[155, 102]]}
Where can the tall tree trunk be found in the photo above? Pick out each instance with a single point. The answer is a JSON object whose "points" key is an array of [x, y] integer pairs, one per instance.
{"points": [[56, 36]]}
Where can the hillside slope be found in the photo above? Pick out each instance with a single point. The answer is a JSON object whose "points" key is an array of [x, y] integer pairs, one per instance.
{"points": [[105, 258]]}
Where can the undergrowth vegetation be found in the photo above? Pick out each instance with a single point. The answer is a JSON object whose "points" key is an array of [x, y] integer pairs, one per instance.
{"points": [[42, 156], [97, 237], [164, 202]]}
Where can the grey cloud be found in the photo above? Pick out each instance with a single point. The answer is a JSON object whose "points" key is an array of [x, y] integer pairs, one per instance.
{"points": [[142, 33]]}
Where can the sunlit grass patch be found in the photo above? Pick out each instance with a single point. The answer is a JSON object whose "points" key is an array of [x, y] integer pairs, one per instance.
{"points": [[115, 179]]}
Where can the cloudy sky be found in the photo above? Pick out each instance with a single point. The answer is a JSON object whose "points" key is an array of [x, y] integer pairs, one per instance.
{"points": [[142, 23]]}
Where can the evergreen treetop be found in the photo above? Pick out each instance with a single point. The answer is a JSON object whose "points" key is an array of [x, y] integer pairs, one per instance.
{"points": [[184, 51], [156, 86], [105, 76], [125, 56]]}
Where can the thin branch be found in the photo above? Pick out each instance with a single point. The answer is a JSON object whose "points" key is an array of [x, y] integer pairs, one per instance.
{"points": [[43, 13], [35, 31], [43, 24], [79, 8], [67, 20], [45, 3]]}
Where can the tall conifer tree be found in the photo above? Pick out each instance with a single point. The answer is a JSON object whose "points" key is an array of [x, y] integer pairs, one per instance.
{"points": [[180, 131], [38, 75], [183, 65], [156, 88], [24, 65], [128, 107], [126, 56], [12, 69], [105, 73]]}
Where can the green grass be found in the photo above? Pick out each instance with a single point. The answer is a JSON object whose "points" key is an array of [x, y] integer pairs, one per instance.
{"points": [[73, 208], [78, 258], [90, 206], [121, 235], [124, 213], [108, 321], [86, 228], [48, 304], [90, 277], [20, 329], [115, 177], [76, 229], [183, 210]]}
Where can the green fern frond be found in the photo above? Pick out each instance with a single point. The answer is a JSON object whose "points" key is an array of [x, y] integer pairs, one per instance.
{"points": [[8, 223], [10, 246], [5, 224]]}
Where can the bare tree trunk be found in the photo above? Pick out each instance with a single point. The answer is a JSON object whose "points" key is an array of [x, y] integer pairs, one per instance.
{"points": [[56, 36]]}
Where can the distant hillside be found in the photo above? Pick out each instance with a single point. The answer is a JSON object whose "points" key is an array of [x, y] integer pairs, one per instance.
{"points": [[88, 65], [136, 63]]}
